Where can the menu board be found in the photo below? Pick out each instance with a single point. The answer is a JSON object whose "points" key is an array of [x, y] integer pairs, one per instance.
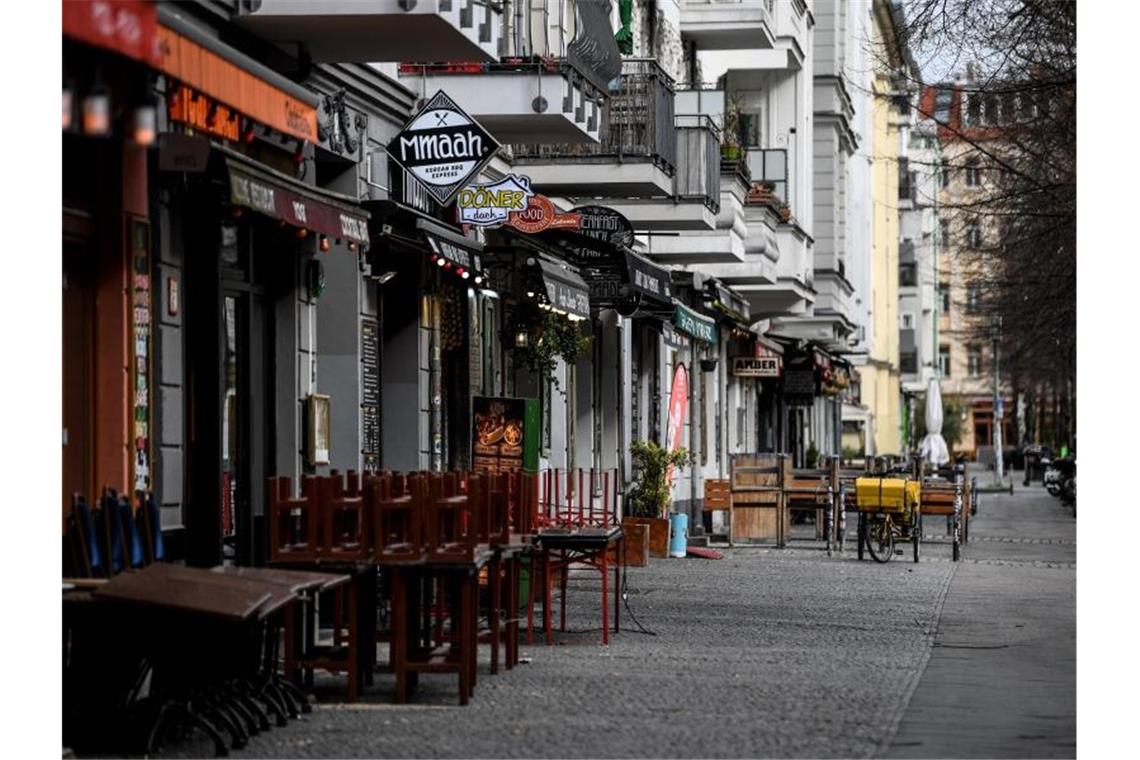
{"points": [[370, 393], [504, 434]]}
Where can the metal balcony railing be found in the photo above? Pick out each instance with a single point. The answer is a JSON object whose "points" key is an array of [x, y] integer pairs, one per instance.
{"points": [[698, 160], [637, 124]]}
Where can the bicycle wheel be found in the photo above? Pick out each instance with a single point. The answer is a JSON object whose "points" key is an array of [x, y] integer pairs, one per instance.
{"points": [[881, 540]]}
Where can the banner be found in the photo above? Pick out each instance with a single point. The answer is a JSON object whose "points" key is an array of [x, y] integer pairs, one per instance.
{"points": [[678, 406]]}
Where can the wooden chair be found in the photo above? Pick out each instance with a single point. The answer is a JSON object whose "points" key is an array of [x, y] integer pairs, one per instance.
{"points": [[344, 521], [397, 504], [294, 528], [452, 528]]}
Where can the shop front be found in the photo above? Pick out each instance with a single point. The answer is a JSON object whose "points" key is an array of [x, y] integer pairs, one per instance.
{"points": [[108, 128], [701, 363]]}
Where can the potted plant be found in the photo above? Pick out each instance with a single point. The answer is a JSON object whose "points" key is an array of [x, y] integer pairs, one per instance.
{"points": [[648, 500], [762, 192], [730, 145]]}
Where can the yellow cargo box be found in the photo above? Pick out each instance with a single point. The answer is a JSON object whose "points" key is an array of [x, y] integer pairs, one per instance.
{"points": [[886, 494]]}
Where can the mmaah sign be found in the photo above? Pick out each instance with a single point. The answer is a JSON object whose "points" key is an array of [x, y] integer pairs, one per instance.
{"points": [[442, 147]]}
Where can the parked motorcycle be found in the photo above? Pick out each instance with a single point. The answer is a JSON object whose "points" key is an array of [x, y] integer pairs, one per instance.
{"points": [[1065, 482], [1052, 477]]}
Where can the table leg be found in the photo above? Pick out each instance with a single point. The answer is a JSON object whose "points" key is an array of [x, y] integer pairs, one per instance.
{"points": [[547, 598], [512, 612], [465, 645], [531, 586], [563, 579], [495, 582], [354, 654], [605, 596], [397, 655], [617, 586]]}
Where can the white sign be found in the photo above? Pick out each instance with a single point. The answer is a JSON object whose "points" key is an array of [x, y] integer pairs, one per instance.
{"points": [[491, 204], [747, 366], [442, 147]]}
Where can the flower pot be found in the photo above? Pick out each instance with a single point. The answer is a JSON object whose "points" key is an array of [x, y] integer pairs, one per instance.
{"points": [[658, 533], [636, 542]]}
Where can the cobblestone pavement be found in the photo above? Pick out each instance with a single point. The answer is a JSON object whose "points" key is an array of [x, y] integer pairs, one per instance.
{"points": [[764, 653]]}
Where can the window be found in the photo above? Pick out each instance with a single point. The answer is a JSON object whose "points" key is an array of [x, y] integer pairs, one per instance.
{"points": [[908, 274], [907, 321], [973, 173], [944, 229], [943, 99], [904, 179], [944, 295], [974, 361], [973, 109], [973, 298], [750, 129], [908, 362], [770, 165], [944, 360], [945, 174], [974, 235]]}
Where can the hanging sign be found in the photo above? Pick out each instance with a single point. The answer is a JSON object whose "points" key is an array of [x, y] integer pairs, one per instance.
{"points": [[442, 147], [540, 215], [678, 405], [747, 366], [689, 321], [490, 204]]}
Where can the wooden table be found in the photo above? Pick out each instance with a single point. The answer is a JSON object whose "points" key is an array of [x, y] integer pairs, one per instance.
{"points": [[597, 547], [415, 648]]}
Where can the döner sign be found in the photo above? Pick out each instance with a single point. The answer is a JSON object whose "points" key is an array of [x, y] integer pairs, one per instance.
{"points": [[442, 147]]}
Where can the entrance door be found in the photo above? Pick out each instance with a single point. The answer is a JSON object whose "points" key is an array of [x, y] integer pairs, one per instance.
{"points": [[245, 433], [78, 338]]}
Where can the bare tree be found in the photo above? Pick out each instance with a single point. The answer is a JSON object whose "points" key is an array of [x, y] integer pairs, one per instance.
{"points": [[1010, 126]]}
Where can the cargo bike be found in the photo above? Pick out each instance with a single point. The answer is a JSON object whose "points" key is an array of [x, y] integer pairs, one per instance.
{"points": [[889, 512]]}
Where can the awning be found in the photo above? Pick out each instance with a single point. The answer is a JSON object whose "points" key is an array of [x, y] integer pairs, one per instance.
{"points": [[128, 27], [195, 59], [279, 196], [694, 323], [450, 245], [565, 290], [647, 278]]}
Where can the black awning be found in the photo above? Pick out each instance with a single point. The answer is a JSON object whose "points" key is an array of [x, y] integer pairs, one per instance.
{"points": [[281, 197], [565, 290], [648, 279]]}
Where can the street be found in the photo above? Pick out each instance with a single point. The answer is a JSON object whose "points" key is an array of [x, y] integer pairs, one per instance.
{"points": [[772, 653]]}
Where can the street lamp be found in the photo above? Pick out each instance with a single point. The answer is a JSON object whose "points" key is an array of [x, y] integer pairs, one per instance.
{"points": [[999, 464]]}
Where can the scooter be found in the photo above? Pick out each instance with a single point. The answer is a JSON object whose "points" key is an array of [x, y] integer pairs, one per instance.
{"points": [[1052, 477]]}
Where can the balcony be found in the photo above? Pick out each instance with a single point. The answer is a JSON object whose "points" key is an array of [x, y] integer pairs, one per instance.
{"points": [[373, 31], [636, 155], [537, 101], [728, 24]]}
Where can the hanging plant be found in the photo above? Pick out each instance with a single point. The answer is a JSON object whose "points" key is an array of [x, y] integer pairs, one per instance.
{"points": [[539, 338]]}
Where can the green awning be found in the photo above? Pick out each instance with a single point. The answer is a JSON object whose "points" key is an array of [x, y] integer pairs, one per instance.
{"points": [[693, 323]]}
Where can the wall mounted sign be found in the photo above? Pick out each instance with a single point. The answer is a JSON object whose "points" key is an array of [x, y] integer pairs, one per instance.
{"points": [[689, 321], [540, 215], [799, 387], [455, 254], [203, 113], [442, 147], [606, 224], [747, 366], [370, 393], [678, 406]]}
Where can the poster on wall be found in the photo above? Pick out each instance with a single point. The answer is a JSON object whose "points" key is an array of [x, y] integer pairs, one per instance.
{"points": [[678, 406], [140, 310], [504, 434]]}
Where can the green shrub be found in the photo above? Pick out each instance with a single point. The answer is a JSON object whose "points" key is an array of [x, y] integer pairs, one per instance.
{"points": [[649, 496]]}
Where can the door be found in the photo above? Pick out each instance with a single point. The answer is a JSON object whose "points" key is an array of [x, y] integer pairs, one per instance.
{"points": [[78, 338]]}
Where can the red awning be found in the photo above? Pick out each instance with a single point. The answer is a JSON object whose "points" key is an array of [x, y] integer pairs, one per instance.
{"points": [[281, 197], [128, 27]]}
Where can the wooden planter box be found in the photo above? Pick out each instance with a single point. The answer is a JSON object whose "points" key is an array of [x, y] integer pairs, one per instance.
{"points": [[658, 533], [636, 543]]}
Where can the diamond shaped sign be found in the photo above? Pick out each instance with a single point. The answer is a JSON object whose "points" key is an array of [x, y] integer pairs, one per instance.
{"points": [[442, 147]]}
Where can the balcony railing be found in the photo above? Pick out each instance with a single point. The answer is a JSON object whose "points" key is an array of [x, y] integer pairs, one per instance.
{"points": [[637, 124], [698, 160]]}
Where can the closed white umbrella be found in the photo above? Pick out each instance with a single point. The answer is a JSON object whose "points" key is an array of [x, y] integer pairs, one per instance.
{"points": [[933, 447]]}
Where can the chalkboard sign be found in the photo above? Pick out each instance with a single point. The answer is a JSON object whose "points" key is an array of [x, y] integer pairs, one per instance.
{"points": [[504, 434]]}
